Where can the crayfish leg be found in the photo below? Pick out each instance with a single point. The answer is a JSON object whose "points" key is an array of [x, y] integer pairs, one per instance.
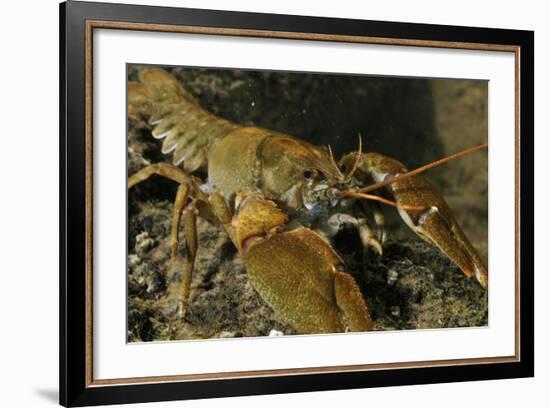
{"points": [[191, 244], [188, 198], [179, 204], [368, 239], [375, 209], [168, 171]]}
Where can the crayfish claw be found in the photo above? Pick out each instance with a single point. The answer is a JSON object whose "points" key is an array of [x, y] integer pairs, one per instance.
{"points": [[427, 213], [437, 225], [445, 233], [297, 272]]}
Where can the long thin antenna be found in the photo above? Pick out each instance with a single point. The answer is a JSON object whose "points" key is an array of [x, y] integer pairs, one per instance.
{"points": [[357, 158], [331, 156], [421, 169], [379, 199]]}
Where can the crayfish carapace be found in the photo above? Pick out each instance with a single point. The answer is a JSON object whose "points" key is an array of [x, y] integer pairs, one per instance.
{"points": [[282, 200]]}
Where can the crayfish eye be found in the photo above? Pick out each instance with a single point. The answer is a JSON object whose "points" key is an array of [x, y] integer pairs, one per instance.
{"points": [[308, 174]]}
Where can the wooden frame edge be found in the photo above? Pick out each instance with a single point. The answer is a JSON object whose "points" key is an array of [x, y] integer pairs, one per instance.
{"points": [[290, 35], [232, 375], [89, 206], [105, 24]]}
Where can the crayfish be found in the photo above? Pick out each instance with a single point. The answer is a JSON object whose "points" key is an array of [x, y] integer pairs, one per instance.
{"points": [[282, 200]]}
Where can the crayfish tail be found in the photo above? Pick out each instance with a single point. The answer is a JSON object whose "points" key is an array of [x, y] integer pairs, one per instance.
{"points": [[187, 130]]}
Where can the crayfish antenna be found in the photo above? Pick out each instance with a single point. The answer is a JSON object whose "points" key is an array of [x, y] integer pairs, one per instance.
{"points": [[421, 169], [358, 156], [382, 200]]}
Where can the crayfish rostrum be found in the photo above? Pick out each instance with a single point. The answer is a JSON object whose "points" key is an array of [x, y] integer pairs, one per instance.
{"points": [[282, 202]]}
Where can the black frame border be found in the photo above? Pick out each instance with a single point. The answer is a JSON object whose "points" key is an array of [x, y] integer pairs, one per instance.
{"points": [[73, 390]]}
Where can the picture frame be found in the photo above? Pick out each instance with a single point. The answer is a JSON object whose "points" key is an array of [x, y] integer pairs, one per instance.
{"points": [[78, 162]]}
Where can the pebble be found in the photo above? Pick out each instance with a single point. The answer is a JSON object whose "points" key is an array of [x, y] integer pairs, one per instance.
{"points": [[395, 311], [392, 277], [143, 243], [133, 260], [227, 335]]}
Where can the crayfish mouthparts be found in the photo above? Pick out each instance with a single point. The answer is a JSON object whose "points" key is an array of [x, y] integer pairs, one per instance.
{"points": [[320, 194]]}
